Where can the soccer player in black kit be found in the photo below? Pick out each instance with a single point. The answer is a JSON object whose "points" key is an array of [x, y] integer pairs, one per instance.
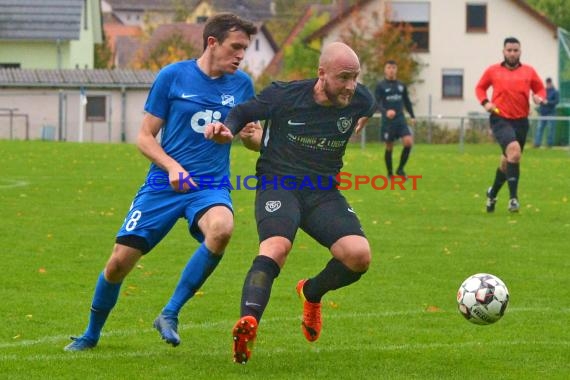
{"points": [[392, 97], [309, 125]]}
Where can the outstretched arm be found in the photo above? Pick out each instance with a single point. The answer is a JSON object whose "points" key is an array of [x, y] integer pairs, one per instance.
{"points": [[360, 124], [538, 89], [147, 144], [218, 132], [251, 136], [408, 106]]}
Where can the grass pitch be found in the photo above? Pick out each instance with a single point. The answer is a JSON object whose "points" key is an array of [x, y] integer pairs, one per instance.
{"points": [[62, 203]]}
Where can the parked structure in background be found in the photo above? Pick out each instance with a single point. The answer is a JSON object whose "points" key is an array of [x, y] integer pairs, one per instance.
{"points": [[72, 105], [54, 34]]}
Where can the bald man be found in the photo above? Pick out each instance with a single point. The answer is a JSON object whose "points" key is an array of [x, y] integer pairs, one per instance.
{"points": [[309, 124]]}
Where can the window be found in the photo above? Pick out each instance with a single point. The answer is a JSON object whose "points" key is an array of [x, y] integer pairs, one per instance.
{"points": [[476, 17], [9, 65], [416, 14], [452, 84], [96, 108]]}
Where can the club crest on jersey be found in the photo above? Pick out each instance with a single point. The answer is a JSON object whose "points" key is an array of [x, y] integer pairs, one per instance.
{"points": [[344, 124], [272, 206], [400, 88], [228, 100]]}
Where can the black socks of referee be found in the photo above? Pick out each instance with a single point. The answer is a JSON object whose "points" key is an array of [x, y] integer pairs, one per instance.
{"points": [[257, 286], [512, 175], [500, 179], [335, 275]]}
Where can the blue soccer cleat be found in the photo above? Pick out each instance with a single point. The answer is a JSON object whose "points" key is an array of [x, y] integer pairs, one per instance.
{"points": [[80, 344], [168, 329]]}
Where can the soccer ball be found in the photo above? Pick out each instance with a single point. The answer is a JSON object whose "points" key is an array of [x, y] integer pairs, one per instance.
{"points": [[483, 298]]}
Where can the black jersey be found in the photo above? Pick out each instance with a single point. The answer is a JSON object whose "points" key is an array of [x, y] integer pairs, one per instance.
{"points": [[302, 138], [393, 95]]}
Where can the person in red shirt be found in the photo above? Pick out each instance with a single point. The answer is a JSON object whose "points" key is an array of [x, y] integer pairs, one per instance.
{"points": [[509, 107]]}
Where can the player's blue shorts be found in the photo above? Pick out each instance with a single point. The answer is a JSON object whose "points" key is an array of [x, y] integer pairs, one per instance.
{"points": [[153, 213]]}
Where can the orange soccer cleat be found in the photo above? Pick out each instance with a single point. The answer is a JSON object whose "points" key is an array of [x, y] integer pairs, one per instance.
{"points": [[244, 333], [312, 322]]}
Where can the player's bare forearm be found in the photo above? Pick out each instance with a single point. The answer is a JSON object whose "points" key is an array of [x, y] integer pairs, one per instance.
{"points": [[360, 124], [150, 148], [218, 132], [147, 144], [251, 136]]}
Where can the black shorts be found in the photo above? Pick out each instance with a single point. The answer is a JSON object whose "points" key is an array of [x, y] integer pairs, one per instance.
{"points": [[508, 130], [391, 132], [325, 215]]}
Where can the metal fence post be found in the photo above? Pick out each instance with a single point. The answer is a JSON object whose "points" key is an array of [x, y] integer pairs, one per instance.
{"points": [[461, 135]]}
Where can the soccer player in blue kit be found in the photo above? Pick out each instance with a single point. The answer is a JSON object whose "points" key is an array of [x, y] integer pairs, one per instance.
{"points": [[309, 125], [185, 97]]}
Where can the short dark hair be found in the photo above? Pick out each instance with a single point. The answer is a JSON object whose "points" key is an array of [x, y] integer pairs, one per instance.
{"points": [[390, 62], [548, 80], [220, 25], [511, 40]]}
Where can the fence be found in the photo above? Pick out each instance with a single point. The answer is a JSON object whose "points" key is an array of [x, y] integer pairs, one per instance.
{"points": [[461, 130], [17, 123]]}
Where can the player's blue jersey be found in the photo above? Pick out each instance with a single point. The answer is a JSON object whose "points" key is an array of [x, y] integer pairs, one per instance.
{"points": [[187, 99]]}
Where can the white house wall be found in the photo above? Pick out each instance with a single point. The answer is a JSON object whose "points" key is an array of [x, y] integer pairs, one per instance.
{"points": [[258, 55], [42, 109], [451, 47]]}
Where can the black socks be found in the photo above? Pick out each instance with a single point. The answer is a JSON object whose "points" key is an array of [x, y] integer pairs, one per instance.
{"points": [[257, 286]]}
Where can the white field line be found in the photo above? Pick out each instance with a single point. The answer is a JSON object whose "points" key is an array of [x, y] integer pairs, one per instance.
{"points": [[6, 183], [64, 339], [101, 354]]}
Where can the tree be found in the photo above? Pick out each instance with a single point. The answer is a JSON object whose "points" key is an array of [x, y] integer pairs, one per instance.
{"points": [[557, 11], [300, 61], [375, 43], [103, 55], [170, 49], [289, 11], [182, 10]]}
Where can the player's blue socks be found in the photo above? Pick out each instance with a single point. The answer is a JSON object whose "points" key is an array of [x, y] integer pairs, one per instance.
{"points": [[197, 270], [104, 299]]}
